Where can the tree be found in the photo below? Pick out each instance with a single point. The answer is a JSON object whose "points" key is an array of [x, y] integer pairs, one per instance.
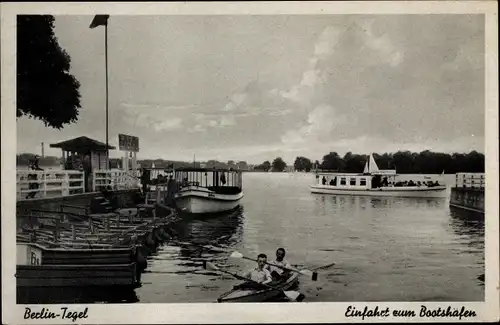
{"points": [[265, 166], [45, 88], [279, 165], [332, 161], [302, 164]]}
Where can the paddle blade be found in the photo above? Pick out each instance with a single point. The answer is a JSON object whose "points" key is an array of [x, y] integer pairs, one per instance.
{"points": [[209, 266], [294, 295], [236, 255], [306, 272]]}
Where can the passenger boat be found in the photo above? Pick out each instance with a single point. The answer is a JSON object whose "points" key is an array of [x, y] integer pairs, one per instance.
{"points": [[375, 182], [204, 190], [260, 295]]}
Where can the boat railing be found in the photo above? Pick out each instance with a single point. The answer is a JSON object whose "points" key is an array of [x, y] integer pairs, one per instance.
{"points": [[114, 180], [32, 184], [470, 180]]}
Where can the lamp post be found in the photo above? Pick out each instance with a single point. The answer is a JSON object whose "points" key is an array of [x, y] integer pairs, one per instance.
{"points": [[102, 20]]}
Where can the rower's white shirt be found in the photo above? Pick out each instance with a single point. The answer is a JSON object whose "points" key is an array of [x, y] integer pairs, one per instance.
{"points": [[260, 276], [279, 270]]}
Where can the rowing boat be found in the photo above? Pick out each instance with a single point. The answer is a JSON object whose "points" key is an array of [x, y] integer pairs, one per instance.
{"points": [[261, 295]]}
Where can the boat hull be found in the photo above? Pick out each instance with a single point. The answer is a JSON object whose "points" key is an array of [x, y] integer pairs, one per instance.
{"points": [[237, 295], [202, 200], [425, 192]]}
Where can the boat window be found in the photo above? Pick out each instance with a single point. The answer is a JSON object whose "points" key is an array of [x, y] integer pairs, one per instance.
{"points": [[342, 181], [352, 181], [362, 181]]}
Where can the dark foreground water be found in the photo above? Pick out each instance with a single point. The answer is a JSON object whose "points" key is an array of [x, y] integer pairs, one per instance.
{"points": [[384, 249]]}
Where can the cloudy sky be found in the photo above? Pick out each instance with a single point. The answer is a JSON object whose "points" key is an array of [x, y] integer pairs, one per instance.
{"points": [[257, 87]]}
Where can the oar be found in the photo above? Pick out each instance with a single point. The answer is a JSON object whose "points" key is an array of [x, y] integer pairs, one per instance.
{"points": [[313, 275], [323, 267], [292, 295]]}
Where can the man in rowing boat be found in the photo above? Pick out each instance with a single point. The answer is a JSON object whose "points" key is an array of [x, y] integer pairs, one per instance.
{"points": [[279, 266], [259, 275]]}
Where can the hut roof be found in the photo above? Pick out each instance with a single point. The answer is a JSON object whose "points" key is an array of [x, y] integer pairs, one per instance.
{"points": [[81, 144]]}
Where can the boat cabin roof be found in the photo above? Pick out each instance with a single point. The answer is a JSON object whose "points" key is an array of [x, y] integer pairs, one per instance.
{"points": [[354, 175], [202, 170]]}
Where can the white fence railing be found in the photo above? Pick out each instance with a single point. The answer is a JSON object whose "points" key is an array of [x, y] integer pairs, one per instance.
{"points": [[114, 179], [36, 184], [39, 184], [472, 180]]}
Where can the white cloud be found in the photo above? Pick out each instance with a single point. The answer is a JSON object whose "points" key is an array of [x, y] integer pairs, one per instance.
{"points": [[321, 123], [197, 128], [167, 125], [227, 120], [324, 47], [381, 44]]}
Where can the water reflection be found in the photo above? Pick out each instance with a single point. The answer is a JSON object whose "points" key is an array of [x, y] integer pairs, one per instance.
{"points": [[469, 227], [221, 230], [347, 202], [467, 223]]}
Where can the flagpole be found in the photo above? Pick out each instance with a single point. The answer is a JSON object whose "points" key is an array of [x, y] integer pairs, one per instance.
{"points": [[106, 63], [102, 20]]}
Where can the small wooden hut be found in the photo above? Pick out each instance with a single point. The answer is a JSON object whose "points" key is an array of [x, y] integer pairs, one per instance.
{"points": [[84, 154]]}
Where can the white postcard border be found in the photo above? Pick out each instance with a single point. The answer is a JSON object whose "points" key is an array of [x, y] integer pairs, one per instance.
{"points": [[245, 313]]}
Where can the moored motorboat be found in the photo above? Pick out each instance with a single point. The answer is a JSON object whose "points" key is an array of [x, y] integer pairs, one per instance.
{"points": [[273, 290], [201, 190], [375, 182]]}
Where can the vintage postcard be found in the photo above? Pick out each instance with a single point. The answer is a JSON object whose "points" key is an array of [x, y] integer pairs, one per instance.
{"points": [[250, 162]]}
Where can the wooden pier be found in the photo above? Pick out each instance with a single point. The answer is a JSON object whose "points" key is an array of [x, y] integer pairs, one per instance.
{"points": [[468, 192], [70, 247]]}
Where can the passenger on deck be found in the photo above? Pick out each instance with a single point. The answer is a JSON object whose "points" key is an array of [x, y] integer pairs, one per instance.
{"points": [[332, 183], [259, 275], [324, 180], [277, 272]]}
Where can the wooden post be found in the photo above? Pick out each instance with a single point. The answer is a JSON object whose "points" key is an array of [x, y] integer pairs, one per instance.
{"points": [[73, 232], [66, 184], [58, 227], [118, 219], [55, 236], [107, 223], [158, 191], [44, 184], [90, 225], [130, 216]]}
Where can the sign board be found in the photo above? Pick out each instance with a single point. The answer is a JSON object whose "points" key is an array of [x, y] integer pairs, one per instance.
{"points": [[28, 255], [128, 143]]}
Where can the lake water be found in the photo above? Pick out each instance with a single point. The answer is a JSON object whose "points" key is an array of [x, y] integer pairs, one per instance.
{"points": [[384, 249]]}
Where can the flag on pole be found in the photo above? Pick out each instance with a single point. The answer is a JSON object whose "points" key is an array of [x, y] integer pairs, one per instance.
{"points": [[99, 20]]}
